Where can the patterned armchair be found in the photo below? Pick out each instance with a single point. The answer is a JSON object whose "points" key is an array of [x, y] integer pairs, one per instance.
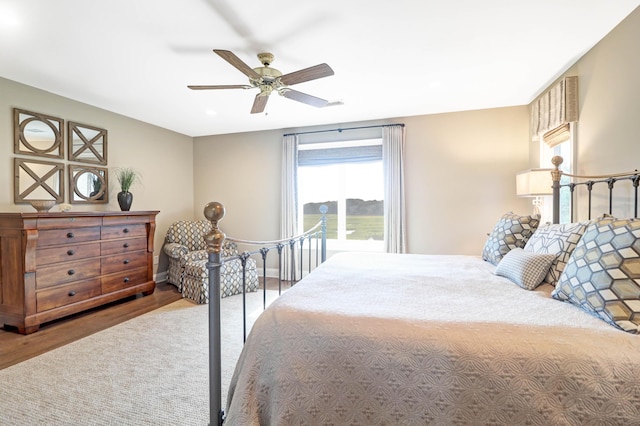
{"points": [[186, 250]]}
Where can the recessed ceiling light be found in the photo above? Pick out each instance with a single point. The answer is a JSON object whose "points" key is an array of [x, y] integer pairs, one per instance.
{"points": [[8, 19]]}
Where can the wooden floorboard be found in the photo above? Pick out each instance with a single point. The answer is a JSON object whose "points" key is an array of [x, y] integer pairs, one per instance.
{"points": [[15, 348]]}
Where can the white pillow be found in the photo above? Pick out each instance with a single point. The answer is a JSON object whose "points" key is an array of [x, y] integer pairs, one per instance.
{"points": [[558, 239], [525, 268]]}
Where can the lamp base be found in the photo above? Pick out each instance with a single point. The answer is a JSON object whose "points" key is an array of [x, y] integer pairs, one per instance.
{"points": [[537, 203]]}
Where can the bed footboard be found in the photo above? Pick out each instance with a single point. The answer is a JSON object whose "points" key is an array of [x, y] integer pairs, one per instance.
{"points": [[214, 212]]}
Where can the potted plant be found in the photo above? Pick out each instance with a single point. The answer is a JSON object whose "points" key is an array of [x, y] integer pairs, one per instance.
{"points": [[126, 178]]}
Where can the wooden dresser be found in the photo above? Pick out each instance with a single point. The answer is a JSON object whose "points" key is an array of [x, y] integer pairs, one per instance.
{"points": [[56, 264]]}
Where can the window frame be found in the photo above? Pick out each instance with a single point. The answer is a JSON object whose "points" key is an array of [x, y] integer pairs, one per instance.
{"points": [[342, 243]]}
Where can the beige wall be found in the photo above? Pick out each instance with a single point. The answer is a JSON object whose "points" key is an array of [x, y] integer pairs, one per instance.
{"points": [[608, 130], [459, 171], [460, 167], [609, 122], [163, 158]]}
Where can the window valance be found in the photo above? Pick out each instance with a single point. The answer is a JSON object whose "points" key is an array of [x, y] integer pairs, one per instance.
{"points": [[352, 154], [555, 109]]}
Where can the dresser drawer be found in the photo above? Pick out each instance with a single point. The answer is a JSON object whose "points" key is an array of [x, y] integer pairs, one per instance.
{"points": [[123, 246], [54, 237], [120, 280], [69, 293], [67, 253], [68, 222], [124, 231], [123, 262], [48, 276]]}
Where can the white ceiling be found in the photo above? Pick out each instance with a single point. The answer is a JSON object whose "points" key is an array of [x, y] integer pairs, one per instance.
{"points": [[391, 59]]}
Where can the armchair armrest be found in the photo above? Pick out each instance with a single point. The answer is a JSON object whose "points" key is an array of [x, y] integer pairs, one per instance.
{"points": [[175, 250]]}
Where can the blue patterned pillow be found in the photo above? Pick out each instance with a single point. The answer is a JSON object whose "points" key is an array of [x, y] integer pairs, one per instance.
{"points": [[602, 276], [511, 231], [525, 268]]}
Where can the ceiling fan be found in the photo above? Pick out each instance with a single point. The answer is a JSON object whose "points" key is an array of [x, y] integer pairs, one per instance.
{"points": [[269, 79]]}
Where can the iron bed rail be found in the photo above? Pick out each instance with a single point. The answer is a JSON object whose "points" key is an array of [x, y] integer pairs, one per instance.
{"points": [[588, 181], [214, 212]]}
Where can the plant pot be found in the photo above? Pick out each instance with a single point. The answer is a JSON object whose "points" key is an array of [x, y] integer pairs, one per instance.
{"points": [[124, 200]]}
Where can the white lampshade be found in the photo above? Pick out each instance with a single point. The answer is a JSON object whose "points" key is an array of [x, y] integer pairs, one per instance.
{"points": [[533, 183]]}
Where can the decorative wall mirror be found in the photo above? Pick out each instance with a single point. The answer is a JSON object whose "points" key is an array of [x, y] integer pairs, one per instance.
{"points": [[88, 185], [87, 144], [37, 180], [37, 134]]}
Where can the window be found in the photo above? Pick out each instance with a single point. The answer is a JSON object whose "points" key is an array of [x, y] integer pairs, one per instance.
{"points": [[565, 150], [348, 178]]}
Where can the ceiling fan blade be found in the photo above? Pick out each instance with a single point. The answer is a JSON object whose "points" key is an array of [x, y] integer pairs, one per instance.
{"points": [[311, 73], [238, 63], [226, 86], [232, 18], [304, 98], [259, 103]]}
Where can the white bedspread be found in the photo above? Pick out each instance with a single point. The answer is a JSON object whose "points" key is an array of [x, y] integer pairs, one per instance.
{"points": [[384, 339]]}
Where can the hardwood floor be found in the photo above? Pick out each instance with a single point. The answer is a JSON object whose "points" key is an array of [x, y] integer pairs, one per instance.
{"points": [[15, 348]]}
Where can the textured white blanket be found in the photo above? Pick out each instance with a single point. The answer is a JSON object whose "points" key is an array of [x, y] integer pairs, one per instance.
{"points": [[408, 339]]}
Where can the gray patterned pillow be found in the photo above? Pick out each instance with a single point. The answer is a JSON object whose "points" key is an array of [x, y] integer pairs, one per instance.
{"points": [[511, 231], [602, 276], [557, 239], [525, 268]]}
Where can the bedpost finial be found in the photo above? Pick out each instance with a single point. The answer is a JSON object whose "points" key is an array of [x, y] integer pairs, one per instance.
{"points": [[557, 160], [214, 212], [556, 173]]}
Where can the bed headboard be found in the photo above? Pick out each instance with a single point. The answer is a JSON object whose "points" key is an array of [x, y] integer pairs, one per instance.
{"points": [[588, 183]]}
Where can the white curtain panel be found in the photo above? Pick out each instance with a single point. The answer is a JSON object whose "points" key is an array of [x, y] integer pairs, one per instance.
{"points": [[289, 216], [394, 205]]}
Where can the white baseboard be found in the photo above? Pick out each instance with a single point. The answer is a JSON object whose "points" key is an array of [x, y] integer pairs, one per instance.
{"points": [[160, 277]]}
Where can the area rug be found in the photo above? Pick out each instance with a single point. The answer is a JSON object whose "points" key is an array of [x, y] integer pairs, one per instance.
{"points": [[150, 370]]}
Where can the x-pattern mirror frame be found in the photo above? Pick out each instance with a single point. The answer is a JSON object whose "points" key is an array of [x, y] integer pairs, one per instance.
{"points": [[80, 177], [42, 135], [27, 124], [87, 144], [39, 183]]}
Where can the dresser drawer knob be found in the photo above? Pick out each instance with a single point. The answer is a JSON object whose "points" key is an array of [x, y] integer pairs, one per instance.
{"points": [[126, 280], [125, 245], [126, 261], [70, 235], [72, 293], [71, 272], [71, 252], [125, 230]]}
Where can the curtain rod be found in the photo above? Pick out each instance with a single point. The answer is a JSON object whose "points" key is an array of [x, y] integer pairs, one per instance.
{"points": [[341, 130]]}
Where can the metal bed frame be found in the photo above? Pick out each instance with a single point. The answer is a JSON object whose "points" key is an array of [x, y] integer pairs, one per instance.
{"points": [[214, 212], [588, 181]]}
